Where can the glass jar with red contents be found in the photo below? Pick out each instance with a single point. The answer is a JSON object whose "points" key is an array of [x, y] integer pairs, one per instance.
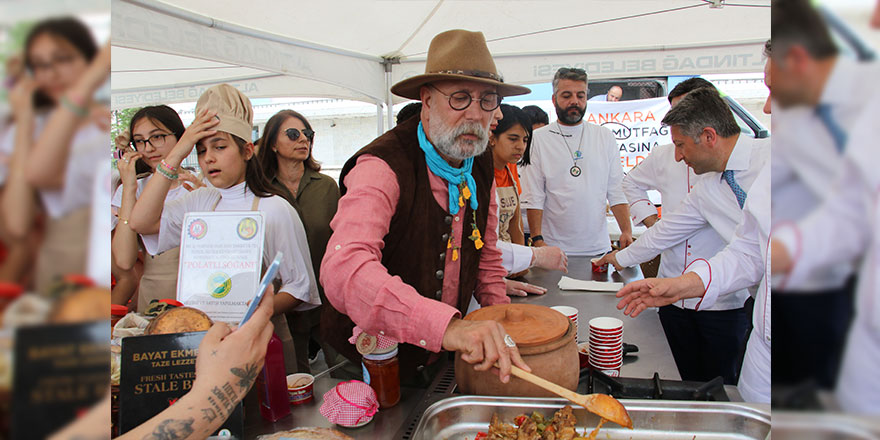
{"points": [[382, 373]]}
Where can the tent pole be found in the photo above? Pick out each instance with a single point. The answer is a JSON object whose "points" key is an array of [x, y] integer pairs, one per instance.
{"points": [[387, 62], [380, 124]]}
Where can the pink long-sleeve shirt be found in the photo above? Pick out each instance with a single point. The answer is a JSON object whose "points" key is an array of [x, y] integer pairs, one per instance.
{"points": [[358, 285]]}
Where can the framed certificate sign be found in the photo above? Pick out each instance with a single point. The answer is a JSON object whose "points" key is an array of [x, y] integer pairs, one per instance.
{"points": [[221, 256]]}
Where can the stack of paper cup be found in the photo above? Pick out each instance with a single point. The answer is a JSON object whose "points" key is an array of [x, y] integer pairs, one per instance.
{"points": [[570, 312], [606, 345]]}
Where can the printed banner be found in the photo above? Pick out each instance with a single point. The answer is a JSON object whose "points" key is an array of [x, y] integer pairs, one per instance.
{"points": [[635, 124], [221, 256]]}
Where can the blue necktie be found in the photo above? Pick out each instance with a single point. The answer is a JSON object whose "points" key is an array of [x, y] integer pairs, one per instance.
{"points": [[823, 111], [737, 190]]}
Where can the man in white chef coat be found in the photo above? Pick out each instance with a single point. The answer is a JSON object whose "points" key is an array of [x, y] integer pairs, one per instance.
{"points": [[575, 170], [708, 139], [705, 343], [738, 266]]}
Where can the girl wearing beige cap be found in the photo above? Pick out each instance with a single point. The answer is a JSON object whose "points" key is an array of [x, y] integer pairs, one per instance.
{"points": [[220, 134]]}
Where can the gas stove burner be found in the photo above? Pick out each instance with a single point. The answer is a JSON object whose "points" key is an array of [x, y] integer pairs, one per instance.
{"points": [[654, 388]]}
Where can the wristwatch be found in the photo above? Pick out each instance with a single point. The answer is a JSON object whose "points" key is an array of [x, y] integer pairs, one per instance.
{"points": [[535, 238]]}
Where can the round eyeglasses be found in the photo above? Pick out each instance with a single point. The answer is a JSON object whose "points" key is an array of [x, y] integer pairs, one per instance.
{"points": [[156, 140], [461, 100]]}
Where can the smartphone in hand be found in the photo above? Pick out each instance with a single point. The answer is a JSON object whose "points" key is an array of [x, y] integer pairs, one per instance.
{"points": [[264, 285]]}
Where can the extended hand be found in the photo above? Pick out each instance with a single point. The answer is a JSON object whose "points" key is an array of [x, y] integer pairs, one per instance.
{"points": [[780, 260], [610, 257], [550, 258], [518, 288], [656, 292], [626, 239], [482, 343]]}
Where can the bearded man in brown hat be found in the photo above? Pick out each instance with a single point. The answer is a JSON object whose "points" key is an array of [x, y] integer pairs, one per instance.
{"points": [[414, 236]]}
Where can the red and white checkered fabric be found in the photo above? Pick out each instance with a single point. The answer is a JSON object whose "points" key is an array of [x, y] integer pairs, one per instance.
{"points": [[350, 403], [383, 343]]}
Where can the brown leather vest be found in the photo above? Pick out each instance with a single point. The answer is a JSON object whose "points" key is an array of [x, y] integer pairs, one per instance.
{"points": [[415, 247]]}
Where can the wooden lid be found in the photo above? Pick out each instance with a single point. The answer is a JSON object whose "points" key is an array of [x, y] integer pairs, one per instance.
{"points": [[528, 324]]}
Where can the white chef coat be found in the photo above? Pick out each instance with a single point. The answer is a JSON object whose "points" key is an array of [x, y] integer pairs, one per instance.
{"points": [[805, 159], [741, 264], [845, 227], [674, 180], [711, 202], [151, 241], [574, 207], [284, 233]]}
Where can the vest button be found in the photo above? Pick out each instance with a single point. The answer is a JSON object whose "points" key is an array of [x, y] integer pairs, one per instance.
{"points": [[448, 219], [439, 274], [438, 295], [443, 256], [445, 237]]}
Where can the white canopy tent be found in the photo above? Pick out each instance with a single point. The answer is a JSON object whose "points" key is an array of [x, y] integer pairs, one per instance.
{"points": [[169, 52]]}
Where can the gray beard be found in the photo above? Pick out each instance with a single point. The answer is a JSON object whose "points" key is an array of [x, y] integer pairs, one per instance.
{"points": [[446, 139]]}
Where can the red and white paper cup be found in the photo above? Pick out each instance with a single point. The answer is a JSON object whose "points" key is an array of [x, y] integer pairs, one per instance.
{"points": [[606, 345], [570, 312]]}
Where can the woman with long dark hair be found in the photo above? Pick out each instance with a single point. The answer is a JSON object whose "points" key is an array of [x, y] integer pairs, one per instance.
{"points": [[152, 133]]}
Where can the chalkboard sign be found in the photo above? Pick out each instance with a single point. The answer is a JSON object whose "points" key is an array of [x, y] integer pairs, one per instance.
{"points": [[61, 371], [156, 371]]}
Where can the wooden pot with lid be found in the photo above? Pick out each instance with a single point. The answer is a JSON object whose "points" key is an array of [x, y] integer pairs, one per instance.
{"points": [[546, 340]]}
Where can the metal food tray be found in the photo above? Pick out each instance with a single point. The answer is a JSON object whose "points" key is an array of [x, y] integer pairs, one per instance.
{"points": [[824, 426], [462, 417]]}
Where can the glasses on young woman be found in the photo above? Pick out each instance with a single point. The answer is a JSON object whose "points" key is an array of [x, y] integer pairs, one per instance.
{"points": [[461, 100], [156, 140]]}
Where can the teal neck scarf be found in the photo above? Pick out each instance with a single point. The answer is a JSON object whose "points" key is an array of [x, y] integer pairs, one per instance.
{"points": [[454, 176]]}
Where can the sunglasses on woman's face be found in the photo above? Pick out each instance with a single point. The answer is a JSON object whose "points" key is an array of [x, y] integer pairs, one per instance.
{"points": [[294, 134]]}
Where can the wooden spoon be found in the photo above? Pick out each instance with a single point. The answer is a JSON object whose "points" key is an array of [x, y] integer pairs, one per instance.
{"points": [[602, 405]]}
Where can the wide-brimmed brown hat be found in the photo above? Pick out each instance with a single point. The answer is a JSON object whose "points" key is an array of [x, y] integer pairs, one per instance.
{"points": [[457, 55]]}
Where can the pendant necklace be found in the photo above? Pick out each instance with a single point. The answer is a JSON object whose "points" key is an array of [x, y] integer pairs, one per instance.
{"points": [[575, 170]]}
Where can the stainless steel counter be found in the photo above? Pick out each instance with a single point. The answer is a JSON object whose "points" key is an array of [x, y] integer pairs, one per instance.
{"points": [[383, 426], [644, 331]]}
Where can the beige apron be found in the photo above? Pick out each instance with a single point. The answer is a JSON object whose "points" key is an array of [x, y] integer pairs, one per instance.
{"points": [[508, 200], [160, 278], [65, 248]]}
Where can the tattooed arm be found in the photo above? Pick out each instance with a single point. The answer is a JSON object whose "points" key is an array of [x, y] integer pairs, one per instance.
{"points": [[226, 367]]}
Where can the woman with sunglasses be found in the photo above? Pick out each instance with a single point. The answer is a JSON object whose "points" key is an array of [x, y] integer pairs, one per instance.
{"points": [[152, 133], [220, 133], [56, 153], [285, 152]]}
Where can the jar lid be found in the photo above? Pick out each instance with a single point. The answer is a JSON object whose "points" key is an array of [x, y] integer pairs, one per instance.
{"points": [[369, 344], [350, 403], [10, 290], [528, 324], [172, 302], [377, 356], [118, 310]]}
